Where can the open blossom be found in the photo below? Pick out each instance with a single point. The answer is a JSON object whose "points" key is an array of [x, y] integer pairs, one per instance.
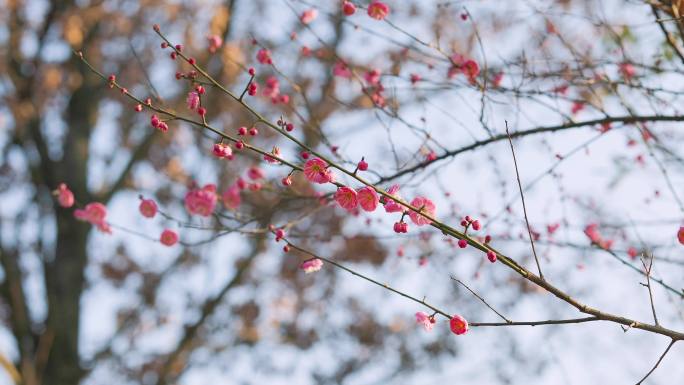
{"points": [[215, 42], [264, 56], [378, 10], [95, 213], [168, 237], [316, 170], [272, 88], [193, 100], [458, 325], [311, 265], [341, 69], [308, 16], [680, 235], [470, 69], [627, 70], [372, 77], [271, 159], [391, 206], [148, 208], [368, 198], [425, 206], [346, 197], [222, 150], [201, 201], [425, 320], [255, 173], [64, 196], [231, 198], [591, 231]]}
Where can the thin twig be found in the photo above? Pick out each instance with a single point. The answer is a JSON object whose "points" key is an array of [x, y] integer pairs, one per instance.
{"points": [[483, 301], [522, 197], [536, 323], [648, 286], [658, 362]]}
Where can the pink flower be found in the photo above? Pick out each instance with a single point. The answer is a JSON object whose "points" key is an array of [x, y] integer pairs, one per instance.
{"points": [[471, 69], [680, 235], [458, 324], [372, 77], [148, 208], [94, 213], [311, 265], [215, 42], [341, 69], [632, 252], [168, 237], [272, 159], [264, 56], [391, 206], [315, 170], [368, 198], [231, 198], [255, 173], [65, 197], [424, 205], [348, 8], [201, 201], [272, 88], [346, 197], [193, 100], [308, 16], [591, 231], [627, 70], [222, 150], [378, 10], [425, 320]]}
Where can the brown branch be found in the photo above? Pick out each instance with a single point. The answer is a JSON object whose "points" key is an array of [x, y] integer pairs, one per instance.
{"points": [[522, 197]]}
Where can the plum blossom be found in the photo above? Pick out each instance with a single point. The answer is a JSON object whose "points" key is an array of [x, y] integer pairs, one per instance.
{"points": [[425, 320], [348, 8], [311, 265], [378, 10], [308, 16], [346, 197], [65, 197], [231, 197], [316, 170], [680, 235], [255, 173], [591, 231], [272, 88], [340, 69], [222, 150], [148, 208], [264, 56], [391, 206], [372, 77], [193, 100], [94, 213], [368, 198], [215, 42], [168, 237], [272, 159], [458, 324], [201, 201], [424, 205]]}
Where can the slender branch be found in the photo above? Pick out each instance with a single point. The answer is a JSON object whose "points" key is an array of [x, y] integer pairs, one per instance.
{"points": [[522, 197], [648, 286], [657, 362], [483, 301], [536, 323]]}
